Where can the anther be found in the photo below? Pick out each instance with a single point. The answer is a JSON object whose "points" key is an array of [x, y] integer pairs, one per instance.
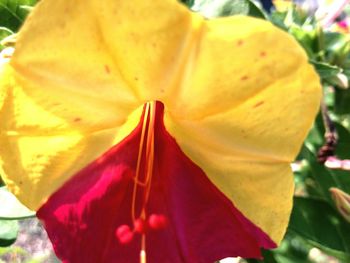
{"points": [[157, 221], [124, 234]]}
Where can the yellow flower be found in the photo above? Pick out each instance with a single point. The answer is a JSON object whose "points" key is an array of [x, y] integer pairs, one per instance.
{"points": [[238, 94]]}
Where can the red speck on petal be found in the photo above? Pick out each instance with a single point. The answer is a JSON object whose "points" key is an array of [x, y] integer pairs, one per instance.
{"points": [[157, 221], [124, 234], [107, 69], [77, 119], [244, 77], [240, 42], [140, 226], [262, 54], [258, 104]]}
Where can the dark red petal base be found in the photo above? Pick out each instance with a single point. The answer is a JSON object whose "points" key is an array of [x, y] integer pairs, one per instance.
{"points": [[202, 225]]}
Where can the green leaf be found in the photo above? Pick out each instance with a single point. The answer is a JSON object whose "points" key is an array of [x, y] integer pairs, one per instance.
{"points": [[255, 10], [11, 13], [4, 32], [343, 145], [337, 46], [326, 70], [331, 74], [1, 182], [222, 8], [326, 178], [278, 18], [319, 223], [189, 3], [334, 40], [235, 8], [11, 208], [342, 101], [268, 258], [315, 138], [292, 249], [307, 38], [8, 232], [29, 8]]}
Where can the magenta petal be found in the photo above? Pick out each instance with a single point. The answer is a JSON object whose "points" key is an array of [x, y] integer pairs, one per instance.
{"points": [[202, 226]]}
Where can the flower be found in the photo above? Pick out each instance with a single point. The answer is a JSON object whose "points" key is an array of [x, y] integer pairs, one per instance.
{"points": [[141, 130]]}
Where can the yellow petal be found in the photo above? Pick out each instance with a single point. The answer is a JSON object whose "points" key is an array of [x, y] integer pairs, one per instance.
{"points": [[149, 41], [233, 59], [243, 112], [76, 84], [124, 50], [41, 150]]}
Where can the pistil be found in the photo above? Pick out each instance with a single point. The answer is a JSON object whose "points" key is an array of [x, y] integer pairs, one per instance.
{"points": [[142, 186]]}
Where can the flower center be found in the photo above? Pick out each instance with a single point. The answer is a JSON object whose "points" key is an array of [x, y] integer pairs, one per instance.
{"points": [[142, 221]]}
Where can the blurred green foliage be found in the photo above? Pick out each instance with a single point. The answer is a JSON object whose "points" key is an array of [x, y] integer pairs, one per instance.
{"points": [[13, 13], [8, 232]]}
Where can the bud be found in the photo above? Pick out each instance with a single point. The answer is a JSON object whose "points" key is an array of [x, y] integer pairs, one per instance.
{"points": [[342, 202]]}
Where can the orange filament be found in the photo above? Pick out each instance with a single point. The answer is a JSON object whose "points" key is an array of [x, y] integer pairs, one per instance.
{"points": [[148, 132], [142, 186], [143, 131]]}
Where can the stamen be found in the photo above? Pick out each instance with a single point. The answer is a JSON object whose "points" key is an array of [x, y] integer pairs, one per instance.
{"points": [[124, 234], [157, 221], [143, 131], [150, 113], [143, 185], [140, 222], [150, 151]]}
